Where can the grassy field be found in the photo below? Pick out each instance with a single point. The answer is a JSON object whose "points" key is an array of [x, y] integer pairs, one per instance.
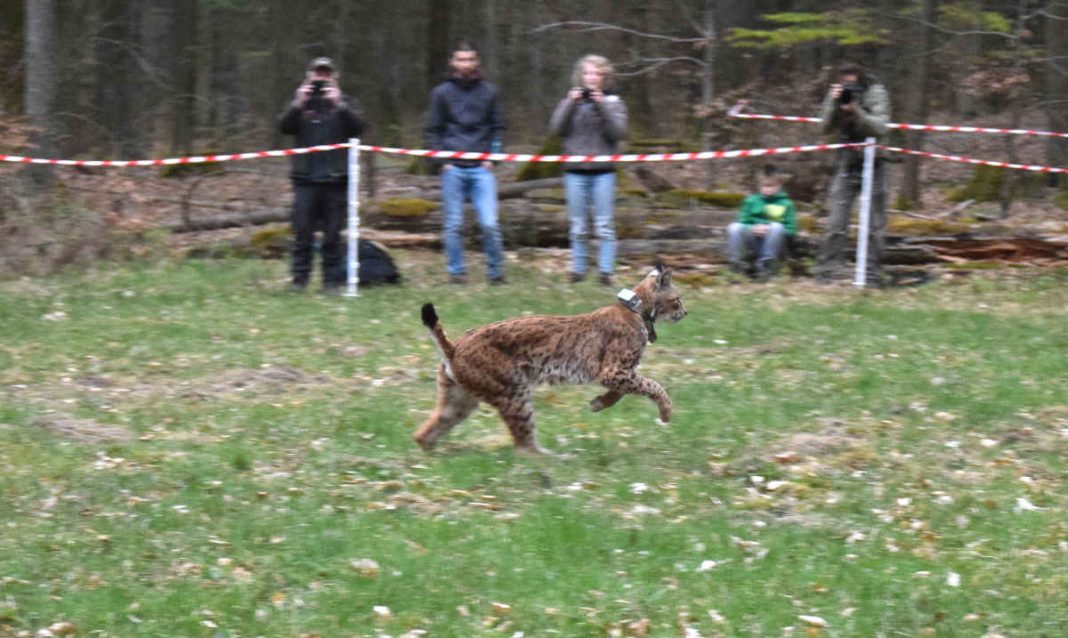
{"points": [[186, 450]]}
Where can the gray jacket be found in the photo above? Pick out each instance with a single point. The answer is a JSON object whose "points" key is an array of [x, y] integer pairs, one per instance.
{"points": [[869, 121], [590, 128]]}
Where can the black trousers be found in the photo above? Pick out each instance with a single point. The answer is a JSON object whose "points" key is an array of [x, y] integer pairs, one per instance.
{"points": [[318, 207]]}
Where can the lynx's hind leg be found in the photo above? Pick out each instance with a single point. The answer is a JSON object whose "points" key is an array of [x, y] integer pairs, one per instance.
{"points": [[517, 411], [454, 405]]}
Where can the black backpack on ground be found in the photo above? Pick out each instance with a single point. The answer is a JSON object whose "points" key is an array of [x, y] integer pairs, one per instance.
{"points": [[376, 266]]}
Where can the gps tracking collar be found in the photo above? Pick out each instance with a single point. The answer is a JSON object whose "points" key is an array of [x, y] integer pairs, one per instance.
{"points": [[632, 302]]}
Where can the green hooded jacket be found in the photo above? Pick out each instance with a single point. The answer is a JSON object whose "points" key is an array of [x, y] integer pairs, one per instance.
{"points": [[761, 209]]}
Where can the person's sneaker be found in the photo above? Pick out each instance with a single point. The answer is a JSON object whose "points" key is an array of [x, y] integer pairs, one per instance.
{"points": [[605, 279], [577, 277], [458, 280], [499, 280]]}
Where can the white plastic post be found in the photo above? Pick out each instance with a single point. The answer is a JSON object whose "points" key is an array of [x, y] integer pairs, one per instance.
{"points": [[865, 213], [353, 279]]}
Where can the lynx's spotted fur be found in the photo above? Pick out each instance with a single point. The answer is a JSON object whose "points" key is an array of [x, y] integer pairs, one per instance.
{"points": [[499, 363]]}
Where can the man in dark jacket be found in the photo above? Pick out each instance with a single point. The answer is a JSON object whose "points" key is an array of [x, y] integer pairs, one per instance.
{"points": [[856, 107], [320, 114], [464, 116]]}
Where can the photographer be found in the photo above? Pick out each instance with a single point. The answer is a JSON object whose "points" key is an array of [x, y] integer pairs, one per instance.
{"points": [[856, 107], [592, 120], [320, 114]]}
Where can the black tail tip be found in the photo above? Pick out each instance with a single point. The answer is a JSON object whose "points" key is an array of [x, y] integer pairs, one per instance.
{"points": [[430, 317]]}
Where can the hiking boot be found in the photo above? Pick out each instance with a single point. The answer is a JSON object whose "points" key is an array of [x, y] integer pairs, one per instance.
{"points": [[499, 280], [605, 279], [577, 277], [458, 280]]}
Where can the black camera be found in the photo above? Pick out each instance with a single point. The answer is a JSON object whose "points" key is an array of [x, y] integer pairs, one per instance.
{"points": [[850, 91], [587, 94], [317, 87]]}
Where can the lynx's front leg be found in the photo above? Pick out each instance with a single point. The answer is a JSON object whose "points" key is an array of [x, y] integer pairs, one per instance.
{"points": [[620, 381]]}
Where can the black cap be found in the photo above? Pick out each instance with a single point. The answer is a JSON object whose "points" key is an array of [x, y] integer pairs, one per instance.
{"points": [[322, 63]]}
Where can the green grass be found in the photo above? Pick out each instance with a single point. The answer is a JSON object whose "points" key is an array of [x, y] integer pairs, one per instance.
{"points": [[861, 457]]}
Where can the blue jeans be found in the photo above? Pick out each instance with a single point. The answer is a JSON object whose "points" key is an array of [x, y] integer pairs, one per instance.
{"points": [[596, 190], [478, 184], [742, 244]]}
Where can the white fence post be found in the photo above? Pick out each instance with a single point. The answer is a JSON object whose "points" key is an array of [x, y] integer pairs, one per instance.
{"points": [[353, 279], [865, 213]]}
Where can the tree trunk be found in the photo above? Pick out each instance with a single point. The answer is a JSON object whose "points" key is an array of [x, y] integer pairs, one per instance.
{"points": [[116, 75], [437, 41], [1057, 88], [184, 100], [919, 101], [708, 86], [40, 86], [1008, 185]]}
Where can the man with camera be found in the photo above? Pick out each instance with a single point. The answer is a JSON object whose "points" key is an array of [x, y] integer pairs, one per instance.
{"points": [[320, 114], [464, 116], [856, 107]]}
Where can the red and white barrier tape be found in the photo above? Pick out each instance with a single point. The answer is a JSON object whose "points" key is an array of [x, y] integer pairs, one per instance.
{"points": [[199, 159], [971, 160], [485, 157], [522, 157], [735, 111], [640, 157]]}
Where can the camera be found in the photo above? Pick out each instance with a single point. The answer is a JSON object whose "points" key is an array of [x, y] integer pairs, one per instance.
{"points": [[586, 94], [850, 91], [317, 87]]}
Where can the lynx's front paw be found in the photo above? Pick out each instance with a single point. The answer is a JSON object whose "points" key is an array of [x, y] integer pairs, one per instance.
{"points": [[665, 412]]}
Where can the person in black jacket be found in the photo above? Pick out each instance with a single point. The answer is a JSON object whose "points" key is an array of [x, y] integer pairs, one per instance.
{"points": [[320, 114], [464, 116]]}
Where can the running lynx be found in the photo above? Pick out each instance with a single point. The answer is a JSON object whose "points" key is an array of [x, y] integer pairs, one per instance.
{"points": [[499, 363]]}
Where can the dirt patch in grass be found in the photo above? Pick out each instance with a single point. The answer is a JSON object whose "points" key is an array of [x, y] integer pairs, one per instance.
{"points": [[266, 380], [84, 430]]}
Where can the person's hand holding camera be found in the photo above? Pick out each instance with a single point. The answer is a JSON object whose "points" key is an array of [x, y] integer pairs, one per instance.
{"points": [[315, 86], [844, 95]]}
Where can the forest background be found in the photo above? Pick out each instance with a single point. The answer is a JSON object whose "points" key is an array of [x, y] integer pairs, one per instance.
{"points": [[117, 79]]}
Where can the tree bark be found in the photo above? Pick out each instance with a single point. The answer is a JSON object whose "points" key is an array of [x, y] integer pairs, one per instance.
{"points": [[40, 85], [437, 40], [919, 102], [184, 100], [1057, 86]]}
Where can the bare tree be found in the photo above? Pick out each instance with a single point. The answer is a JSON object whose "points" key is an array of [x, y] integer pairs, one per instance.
{"points": [[40, 87], [1056, 105], [918, 97]]}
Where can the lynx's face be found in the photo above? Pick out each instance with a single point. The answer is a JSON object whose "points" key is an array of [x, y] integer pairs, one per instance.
{"points": [[663, 297], [669, 306]]}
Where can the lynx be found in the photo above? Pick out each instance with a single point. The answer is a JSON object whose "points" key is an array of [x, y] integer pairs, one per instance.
{"points": [[499, 363]]}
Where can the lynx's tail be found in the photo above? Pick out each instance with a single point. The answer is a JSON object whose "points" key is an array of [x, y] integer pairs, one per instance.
{"points": [[431, 321]]}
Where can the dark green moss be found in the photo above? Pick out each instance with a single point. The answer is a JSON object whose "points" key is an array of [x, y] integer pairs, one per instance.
{"points": [[678, 198], [540, 170], [407, 207]]}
